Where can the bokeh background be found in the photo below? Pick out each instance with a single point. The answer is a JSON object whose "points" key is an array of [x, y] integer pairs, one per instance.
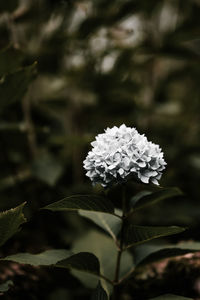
{"points": [[69, 69]]}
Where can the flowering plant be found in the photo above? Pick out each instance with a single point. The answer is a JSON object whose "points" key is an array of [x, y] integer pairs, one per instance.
{"points": [[117, 155], [120, 153]]}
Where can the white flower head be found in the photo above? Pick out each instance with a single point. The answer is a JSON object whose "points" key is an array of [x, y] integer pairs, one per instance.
{"points": [[121, 153]]}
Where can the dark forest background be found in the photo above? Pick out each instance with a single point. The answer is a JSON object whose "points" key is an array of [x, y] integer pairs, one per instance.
{"points": [[68, 70]]}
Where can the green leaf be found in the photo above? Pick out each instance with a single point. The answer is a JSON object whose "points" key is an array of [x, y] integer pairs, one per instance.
{"points": [[46, 258], [104, 248], [109, 223], [10, 222], [84, 202], [145, 254], [146, 198], [170, 297], [135, 235], [83, 261], [99, 293], [14, 85], [4, 287], [164, 253]]}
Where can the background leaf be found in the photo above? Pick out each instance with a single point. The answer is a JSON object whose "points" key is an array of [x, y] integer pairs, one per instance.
{"points": [[47, 168], [10, 222], [4, 287], [14, 85]]}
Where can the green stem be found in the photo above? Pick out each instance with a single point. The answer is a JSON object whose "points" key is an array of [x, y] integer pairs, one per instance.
{"points": [[120, 249]]}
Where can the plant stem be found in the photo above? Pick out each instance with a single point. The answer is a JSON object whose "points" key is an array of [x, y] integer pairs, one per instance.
{"points": [[120, 250]]}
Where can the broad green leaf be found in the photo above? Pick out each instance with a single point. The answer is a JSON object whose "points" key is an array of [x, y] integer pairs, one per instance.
{"points": [[104, 248], [135, 235], [109, 223], [99, 293], [145, 254], [83, 202], [14, 85], [164, 253], [147, 198], [4, 287], [46, 258], [10, 221], [170, 297], [83, 261]]}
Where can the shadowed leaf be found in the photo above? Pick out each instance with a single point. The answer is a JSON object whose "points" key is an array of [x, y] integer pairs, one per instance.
{"points": [[146, 198], [109, 223], [135, 235], [14, 85], [83, 261], [164, 253], [99, 293], [84, 202]]}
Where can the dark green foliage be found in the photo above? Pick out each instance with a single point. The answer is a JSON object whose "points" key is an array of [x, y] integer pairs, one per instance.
{"points": [[135, 235], [82, 202], [147, 198]]}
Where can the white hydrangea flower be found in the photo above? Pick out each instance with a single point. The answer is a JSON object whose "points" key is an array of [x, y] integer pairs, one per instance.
{"points": [[120, 153]]}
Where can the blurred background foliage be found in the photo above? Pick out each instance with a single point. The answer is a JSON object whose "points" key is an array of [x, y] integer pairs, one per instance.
{"points": [[69, 69]]}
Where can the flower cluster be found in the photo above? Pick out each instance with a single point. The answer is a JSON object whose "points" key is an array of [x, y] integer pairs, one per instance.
{"points": [[120, 153]]}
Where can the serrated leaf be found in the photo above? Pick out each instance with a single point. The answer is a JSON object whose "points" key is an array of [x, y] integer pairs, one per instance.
{"points": [[83, 261], [170, 297], [135, 235], [14, 85], [99, 293], [46, 258], [4, 287], [146, 198], [84, 202], [10, 222], [109, 223]]}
